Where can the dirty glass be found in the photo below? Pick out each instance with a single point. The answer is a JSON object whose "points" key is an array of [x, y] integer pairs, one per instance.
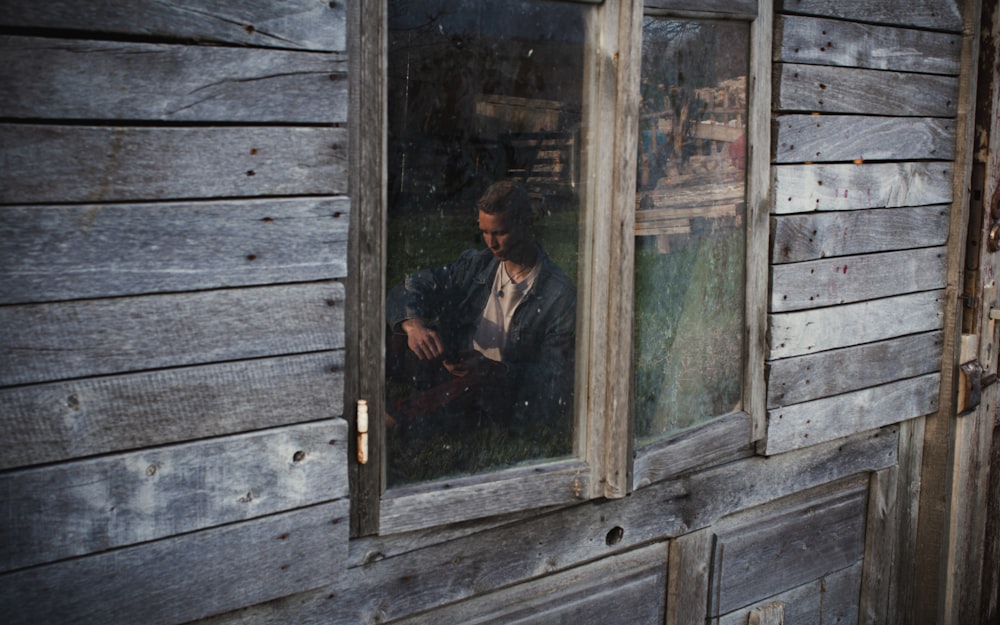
{"points": [[690, 225], [481, 92]]}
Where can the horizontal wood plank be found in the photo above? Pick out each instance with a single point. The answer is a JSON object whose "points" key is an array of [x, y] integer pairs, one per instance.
{"points": [[48, 342], [813, 236], [389, 587], [830, 138], [821, 89], [187, 577], [40, 163], [80, 79], [92, 250], [88, 506], [831, 599], [849, 186], [797, 543], [933, 14], [818, 41], [63, 420], [304, 24], [809, 423], [814, 376], [746, 9], [811, 331], [849, 279]]}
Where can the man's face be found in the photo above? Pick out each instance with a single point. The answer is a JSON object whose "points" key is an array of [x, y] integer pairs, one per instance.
{"points": [[504, 237]]}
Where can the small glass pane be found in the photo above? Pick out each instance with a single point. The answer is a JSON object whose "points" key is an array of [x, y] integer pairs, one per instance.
{"points": [[690, 225], [485, 108]]}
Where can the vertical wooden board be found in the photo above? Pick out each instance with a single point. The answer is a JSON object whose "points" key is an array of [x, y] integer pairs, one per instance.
{"points": [[851, 138], [96, 164], [831, 599], [688, 578], [804, 378], [879, 587], [792, 427], [83, 507], [303, 24], [47, 342], [45, 423], [806, 188], [818, 41], [787, 548], [811, 331], [933, 14], [187, 577], [95, 250], [822, 235], [87, 80], [820, 89]]}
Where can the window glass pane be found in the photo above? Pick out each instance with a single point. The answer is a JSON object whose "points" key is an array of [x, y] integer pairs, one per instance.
{"points": [[690, 221], [481, 303]]}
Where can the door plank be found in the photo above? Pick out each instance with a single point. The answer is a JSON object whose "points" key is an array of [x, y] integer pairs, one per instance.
{"points": [[826, 138]]}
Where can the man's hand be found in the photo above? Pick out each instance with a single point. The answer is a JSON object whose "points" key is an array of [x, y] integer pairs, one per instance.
{"points": [[473, 362], [421, 340]]}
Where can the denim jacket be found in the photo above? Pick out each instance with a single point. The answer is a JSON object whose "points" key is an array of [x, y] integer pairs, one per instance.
{"points": [[540, 342]]}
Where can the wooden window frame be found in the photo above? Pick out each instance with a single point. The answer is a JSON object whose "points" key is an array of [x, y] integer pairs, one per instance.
{"points": [[603, 462]]}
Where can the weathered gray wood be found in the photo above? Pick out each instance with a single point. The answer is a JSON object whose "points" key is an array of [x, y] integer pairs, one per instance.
{"points": [[63, 420], [94, 164], [819, 41], [879, 586], [417, 507], [822, 235], [826, 138], [79, 508], [72, 252], [722, 439], [688, 578], [186, 577], [770, 614], [808, 423], [804, 188], [47, 342], [811, 331], [804, 378], [306, 24], [821, 89], [80, 79], [831, 599], [746, 9], [392, 586], [625, 588], [934, 14], [798, 543], [849, 279]]}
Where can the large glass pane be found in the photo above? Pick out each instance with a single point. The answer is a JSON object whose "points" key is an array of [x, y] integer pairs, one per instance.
{"points": [[485, 110], [690, 224]]}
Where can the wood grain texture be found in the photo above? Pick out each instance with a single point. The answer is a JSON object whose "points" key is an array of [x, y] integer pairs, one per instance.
{"points": [[849, 279], [933, 14], [688, 578], [79, 508], [48, 342], [818, 41], [811, 331], [88, 80], [813, 236], [821, 89], [800, 541], [301, 24], [746, 9], [808, 423], [806, 188], [94, 250], [804, 378], [186, 577], [880, 585], [63, 420], [831, 599], [830, 138], [87, 164]]}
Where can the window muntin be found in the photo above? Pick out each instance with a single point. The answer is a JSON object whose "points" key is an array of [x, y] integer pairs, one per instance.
{"points": [[690, 246]]}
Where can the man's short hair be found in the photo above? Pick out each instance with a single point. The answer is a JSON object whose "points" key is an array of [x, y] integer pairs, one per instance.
{"points": [[508, 197]]}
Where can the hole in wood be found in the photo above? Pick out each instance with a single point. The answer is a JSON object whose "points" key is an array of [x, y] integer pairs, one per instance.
{"points": [[615, 535]]}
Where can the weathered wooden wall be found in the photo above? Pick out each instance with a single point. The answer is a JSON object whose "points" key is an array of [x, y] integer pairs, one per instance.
{"points": [[174, 225]]}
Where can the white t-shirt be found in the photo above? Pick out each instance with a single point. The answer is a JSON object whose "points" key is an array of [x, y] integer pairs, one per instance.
{"points": [[491, 331]]}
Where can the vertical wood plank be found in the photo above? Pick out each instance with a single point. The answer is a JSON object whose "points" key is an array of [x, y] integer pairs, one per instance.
{"points": [[688, 578]]}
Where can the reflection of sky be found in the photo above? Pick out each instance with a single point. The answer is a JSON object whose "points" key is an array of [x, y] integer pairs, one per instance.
{"points": [[523, 19]]}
